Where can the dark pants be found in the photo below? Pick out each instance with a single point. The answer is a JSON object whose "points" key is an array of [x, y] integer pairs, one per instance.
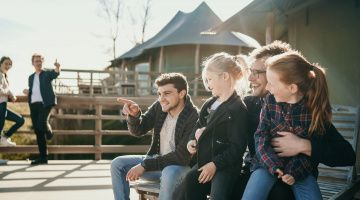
{"points": [[219, 187], [7, 114], [40, 120]]}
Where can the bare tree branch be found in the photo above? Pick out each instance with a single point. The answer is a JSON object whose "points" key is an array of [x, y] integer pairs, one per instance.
{"points": [[145, 19], [112, 11]]}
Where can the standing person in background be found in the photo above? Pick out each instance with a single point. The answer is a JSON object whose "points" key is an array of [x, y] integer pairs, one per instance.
{"points": [[41, 99], [220, 136], [5, 96]]}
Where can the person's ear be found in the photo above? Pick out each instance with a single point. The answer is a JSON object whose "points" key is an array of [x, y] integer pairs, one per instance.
{"points": [[226, 75], [182, 93], [293, 88]]}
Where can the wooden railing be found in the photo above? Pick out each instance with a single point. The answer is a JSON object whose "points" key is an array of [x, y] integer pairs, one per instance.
{"points": [[99, 104], [109, 83]]}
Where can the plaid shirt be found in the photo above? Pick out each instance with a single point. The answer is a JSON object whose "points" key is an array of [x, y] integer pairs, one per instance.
{"points": [[276, 117]]}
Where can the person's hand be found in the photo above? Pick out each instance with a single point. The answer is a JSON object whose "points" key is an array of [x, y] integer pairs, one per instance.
{"points": [[279, 173], [207, 172], [56, 64], [26, 91], [191, 147], [135, 172], [288, 179], [198, 133], [289, 144], [130, 107]]}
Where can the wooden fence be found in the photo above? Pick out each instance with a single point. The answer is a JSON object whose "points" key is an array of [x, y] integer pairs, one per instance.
{"points": [[99, 104]]}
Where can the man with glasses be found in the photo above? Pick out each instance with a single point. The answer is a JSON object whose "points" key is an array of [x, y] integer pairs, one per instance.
{"points": [[41, 98], [333, 150], [172, 118]]}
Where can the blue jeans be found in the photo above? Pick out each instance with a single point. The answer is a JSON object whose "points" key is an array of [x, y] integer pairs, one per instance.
{"points": [[7, 114], [169, 177], [261, 182]]}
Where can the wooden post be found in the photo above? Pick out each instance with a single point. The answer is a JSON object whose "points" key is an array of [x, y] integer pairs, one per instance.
{"points": [[161, 59], [123, 63], [239, 50], [98, 129], [136, 83], [197, 69], [269, 34], [91, 85]]}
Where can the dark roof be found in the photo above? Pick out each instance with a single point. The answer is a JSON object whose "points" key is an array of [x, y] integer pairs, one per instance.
{"points": [[251, 20], [186, 28]]}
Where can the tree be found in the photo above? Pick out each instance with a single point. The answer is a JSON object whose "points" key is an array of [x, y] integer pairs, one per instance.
{"points": [[112, 14], [143, 20]]}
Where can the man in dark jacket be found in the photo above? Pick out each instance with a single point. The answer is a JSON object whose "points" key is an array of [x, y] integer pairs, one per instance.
{"points": [[332, 149], [172, 118], [41, 98]]}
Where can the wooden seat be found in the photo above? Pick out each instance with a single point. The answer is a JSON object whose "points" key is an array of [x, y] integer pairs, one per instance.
{"points": [[147, 190], [336, 182]]}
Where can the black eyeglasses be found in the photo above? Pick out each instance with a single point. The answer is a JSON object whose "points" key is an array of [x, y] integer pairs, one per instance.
{"points": [[256, 72]]}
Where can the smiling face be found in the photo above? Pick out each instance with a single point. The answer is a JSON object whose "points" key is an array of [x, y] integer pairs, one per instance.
{"points": [[5, 66], [170, 99], [282, 92], [216, 82], [257, 78]]}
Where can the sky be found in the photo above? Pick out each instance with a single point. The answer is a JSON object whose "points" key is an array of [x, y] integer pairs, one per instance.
{"points": [[75, 33]]}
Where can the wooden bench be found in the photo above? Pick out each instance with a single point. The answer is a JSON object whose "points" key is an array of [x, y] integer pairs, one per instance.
{"points": [[334, 182], [147, 190], [339, 182]]}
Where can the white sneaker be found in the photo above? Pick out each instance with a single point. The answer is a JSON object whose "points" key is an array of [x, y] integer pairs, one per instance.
{"points": [[7, 141]]}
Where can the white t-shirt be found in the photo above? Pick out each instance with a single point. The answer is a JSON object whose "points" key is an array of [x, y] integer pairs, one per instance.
{"points": [[36, 94], [167, 135]]}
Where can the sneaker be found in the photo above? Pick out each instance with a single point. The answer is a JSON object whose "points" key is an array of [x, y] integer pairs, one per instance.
{"points": [[7, 141]]}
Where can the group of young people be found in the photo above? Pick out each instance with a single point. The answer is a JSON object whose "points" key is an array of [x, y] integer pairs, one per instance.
{"points": [[41, 99], [285, 124]]}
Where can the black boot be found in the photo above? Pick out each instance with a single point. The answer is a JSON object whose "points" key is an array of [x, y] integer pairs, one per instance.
{"points": [[49, 134], [39, 161]]}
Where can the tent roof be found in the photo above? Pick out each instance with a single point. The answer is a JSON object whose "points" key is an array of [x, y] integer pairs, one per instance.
{"points": [[186, 28]]}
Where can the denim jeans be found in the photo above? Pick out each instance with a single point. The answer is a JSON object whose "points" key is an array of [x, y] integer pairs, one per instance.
{"points": [[7, 114], [261, 182], [169, 177]]}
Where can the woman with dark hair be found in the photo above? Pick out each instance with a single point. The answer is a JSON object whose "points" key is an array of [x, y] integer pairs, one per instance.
{"points": [[5, 96]]}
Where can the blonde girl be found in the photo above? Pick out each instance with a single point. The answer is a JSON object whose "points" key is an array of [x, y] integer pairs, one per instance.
{"points": [[219, 137]]}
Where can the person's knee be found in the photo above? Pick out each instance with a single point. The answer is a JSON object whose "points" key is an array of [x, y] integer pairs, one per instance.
{"points": [[172, 175], [117, 165]]}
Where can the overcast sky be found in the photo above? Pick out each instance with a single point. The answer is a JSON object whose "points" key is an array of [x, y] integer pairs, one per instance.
{"points": [[73, 31]]}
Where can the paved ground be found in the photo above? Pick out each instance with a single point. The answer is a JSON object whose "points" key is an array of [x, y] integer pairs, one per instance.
{"points": [[59, 180]]}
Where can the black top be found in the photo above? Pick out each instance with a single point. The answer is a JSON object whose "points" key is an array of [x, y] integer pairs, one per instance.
{"points": [[46, 89], [224, 139]]}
